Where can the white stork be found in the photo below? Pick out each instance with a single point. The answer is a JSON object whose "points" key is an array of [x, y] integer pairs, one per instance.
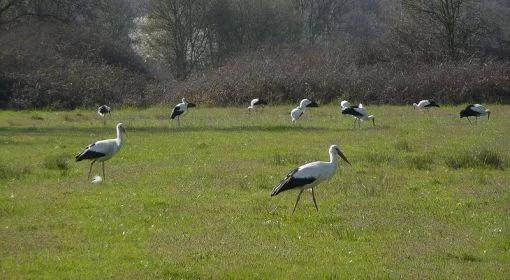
{"points": [[308, 176], [102, 111], [425, 104], [297, 112], [359, 113], [181, 109], [475, 110], [255, 103], [103, 150]]}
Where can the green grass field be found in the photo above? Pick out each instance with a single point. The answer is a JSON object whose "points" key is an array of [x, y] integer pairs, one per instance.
{"points": [[427, 196]]}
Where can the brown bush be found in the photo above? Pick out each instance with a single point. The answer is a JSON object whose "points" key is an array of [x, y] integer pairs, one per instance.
{"points": [[285, 75]]}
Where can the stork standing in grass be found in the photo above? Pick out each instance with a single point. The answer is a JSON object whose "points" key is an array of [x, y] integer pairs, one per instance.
{"points": [[310, 175], [102, 111], [359, 113], [255, 103], [181, 109], [425, 104], [297, 112], [103, 150], [475, 110]]}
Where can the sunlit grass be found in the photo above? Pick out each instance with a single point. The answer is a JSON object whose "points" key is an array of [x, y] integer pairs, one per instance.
{"points": [[426, 196]]}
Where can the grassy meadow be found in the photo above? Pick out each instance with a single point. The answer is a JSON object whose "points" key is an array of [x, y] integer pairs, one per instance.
{"points": [[427, 196]]}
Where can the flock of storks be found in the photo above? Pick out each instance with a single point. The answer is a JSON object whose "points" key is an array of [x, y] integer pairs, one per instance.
{"points": [[305, 177]]}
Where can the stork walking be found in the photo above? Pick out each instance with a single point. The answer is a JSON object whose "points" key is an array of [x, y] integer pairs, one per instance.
{"points": [[102, 111], [425, 104], [181, 109], [310, 175], [255, 103], [359, 113], [475, 110], [103, 150]]}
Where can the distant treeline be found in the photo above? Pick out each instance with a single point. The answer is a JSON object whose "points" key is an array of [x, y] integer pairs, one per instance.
{"points": [[66, 54]]}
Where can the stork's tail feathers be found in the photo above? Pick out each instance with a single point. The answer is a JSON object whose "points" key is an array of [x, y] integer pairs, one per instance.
{"points": [[283, 184]]}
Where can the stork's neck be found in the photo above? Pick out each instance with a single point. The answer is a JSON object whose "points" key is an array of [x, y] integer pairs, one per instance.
{"points": [[332, 158], [120, 136]]}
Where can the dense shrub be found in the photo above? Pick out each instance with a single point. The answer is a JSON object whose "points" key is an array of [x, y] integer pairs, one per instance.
{"points": [[67, 67], [286, 75]]}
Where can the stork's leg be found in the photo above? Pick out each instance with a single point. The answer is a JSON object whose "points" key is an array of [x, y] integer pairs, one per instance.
{"points": [[297, 200], [469, 121], [354, 124], [103, 172], [179, 121], [314, 201], [104, 120], [90, 170], [476, 119]]}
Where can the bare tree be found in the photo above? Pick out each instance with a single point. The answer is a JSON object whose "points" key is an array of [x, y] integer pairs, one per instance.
{"points": [[451, 23], [320, 17], [178, 33]]}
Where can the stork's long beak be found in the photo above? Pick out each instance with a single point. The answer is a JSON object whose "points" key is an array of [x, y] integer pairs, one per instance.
{"points": [[343, 157], [373, 122], [123, 130], [191, 105], [488, 115]]}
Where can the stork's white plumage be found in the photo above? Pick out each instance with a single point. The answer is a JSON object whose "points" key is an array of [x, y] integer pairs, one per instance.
{"points": [[305, 103], [181, 109], [296, 113], [308, 176], [475, 110], [102, 111], [103, 150], [359, 113], [425, 104], [345, 104], [255, 103]]}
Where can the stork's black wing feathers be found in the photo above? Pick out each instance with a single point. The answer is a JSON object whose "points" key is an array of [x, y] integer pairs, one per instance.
{"points": [[176, 112], [88, 154], [260, 102], [351, 111], [103, 109], [313, 104], [290, 182], [432, 103]]}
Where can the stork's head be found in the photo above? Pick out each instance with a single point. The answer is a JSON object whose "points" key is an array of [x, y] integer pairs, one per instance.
{"points": [[415, 105], [120, 129], [345, 104], [184, 100], [335, 150]]}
